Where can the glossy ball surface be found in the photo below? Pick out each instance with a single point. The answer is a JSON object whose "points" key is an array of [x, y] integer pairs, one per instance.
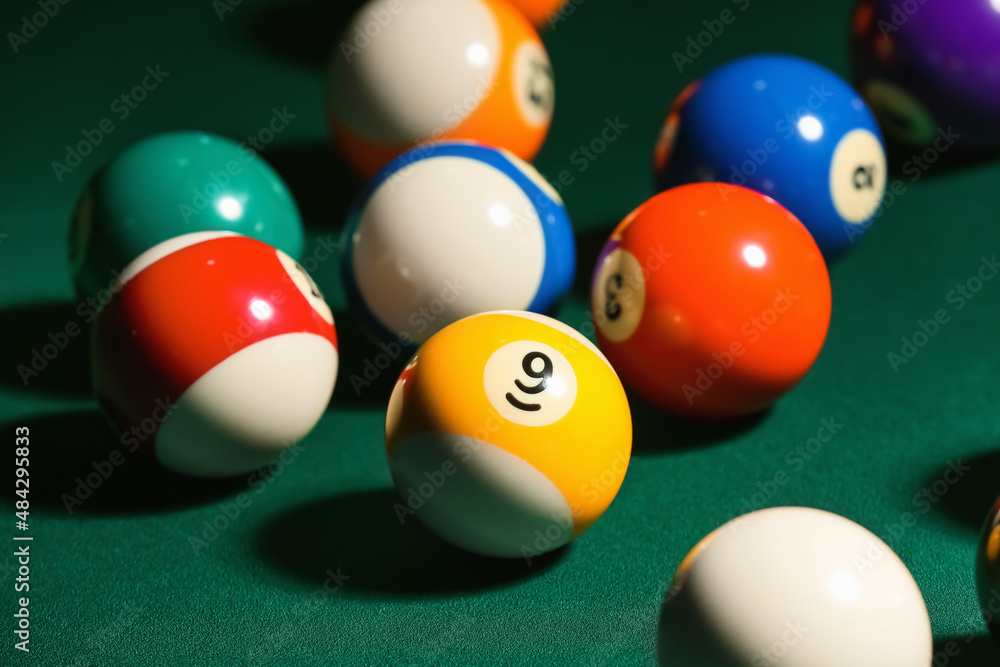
{"points": [[931, 71], [788, 128], [539, 12], [450, 230], [508, 434], [797, 587], [172, 184], [711, 300], [217, 353], [437, 70]]}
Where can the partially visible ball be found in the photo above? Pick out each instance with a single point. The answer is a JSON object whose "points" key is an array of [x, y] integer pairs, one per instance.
{"points": [[931, 71], [797, 587], [218, 352], [437, 70], [508, 434], [788, 128], [172, 184], [711, 300], [988, 571], [450, 230]]}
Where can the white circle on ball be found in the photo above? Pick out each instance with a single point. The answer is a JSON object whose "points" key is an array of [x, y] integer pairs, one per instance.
{"points": [[306, 286], [445, 238], [534, 86], [530, 383], [618, 295], [404, 71], [857, 175]]}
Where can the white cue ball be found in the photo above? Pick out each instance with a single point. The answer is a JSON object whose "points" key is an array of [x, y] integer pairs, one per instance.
{"points": [[795, 587]]}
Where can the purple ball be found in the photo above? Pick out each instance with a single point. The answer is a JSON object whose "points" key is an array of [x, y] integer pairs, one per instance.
{"points": [[930, 70]]}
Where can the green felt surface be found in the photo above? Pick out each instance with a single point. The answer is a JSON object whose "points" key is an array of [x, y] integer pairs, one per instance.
{"points": [[119, 581]]}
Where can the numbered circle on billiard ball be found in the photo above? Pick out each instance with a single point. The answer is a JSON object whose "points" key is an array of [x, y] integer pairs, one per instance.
{"points": [[450, 230], [172, 184], [508, 434], [797, 587], [217, 352], [931, 72], [437, 70], [711, 300], [788, 128]]}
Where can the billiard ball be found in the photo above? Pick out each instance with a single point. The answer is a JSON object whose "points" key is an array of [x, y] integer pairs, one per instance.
{"points": [[507, 434], [172, 184], [711, 300], [449, 230], [798, 587], [931, 71], [988, 571], [217, 352], [539, 12], [437, 70], [788, 128]]}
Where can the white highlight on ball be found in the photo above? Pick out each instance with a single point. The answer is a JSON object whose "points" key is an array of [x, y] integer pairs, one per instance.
{"points": [[755, 256], [229, 208], [261, 309], [477, 55], [844, 586], [810, 128]]}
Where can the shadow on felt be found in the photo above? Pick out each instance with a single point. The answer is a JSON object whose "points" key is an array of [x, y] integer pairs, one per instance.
{"points": [[323, 185], [302, 33], [31, 333], [971, 496], [74, 468], [966, 652], [367, 372], [655, 430], [360, 534]]}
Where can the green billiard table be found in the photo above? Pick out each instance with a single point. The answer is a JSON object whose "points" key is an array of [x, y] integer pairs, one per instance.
{"points": [[896, 426]]}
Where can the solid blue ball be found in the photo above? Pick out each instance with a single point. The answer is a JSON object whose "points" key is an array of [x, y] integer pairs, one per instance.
{"points": [[788, 128]]}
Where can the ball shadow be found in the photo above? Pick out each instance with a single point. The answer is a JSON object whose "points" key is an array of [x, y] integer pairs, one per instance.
{"points": [[38, 355], [967, 652], [321, 182], [367, 373], [970, 498], [906, 161], [655, 430], [588, 247], [303, 33], [74, 467], [685, 636], [361, 534]]}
